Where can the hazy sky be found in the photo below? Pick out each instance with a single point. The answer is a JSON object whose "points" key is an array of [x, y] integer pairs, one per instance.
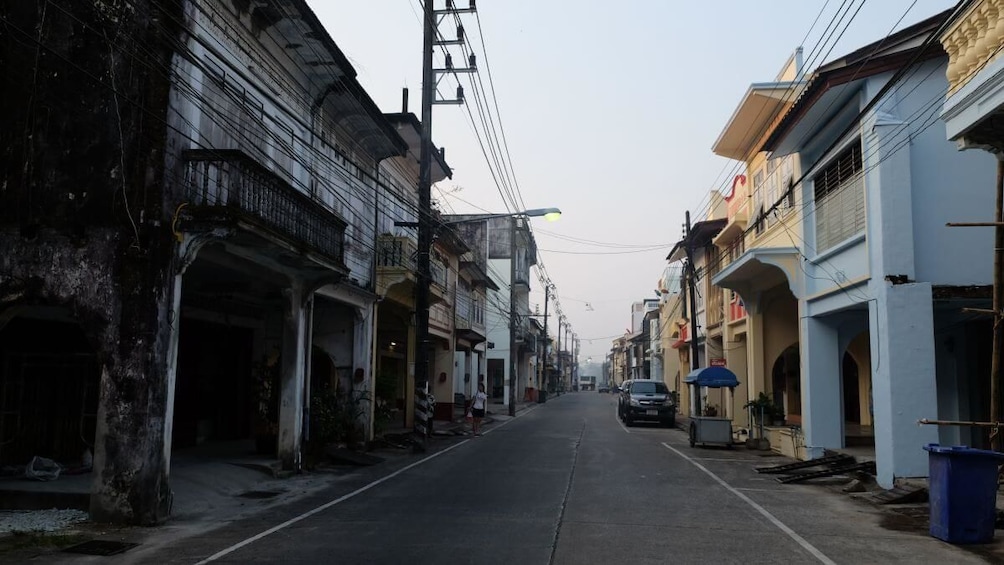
{"points": [[609, 109]]}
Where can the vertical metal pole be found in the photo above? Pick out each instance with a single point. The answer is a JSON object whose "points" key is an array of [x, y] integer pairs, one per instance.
{"points": [[513, 315], [998, 303], [424, 231]]}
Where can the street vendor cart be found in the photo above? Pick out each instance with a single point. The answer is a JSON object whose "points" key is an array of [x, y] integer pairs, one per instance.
{"points": [[706, 426]]}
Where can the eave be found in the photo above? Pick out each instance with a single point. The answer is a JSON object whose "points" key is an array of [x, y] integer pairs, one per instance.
{"points": [[760, 106]]}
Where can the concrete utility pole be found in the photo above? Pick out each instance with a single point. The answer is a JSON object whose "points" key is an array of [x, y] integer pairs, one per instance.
{"points": [[692, 286], [514, 318], [423, 418], [547, 342]]}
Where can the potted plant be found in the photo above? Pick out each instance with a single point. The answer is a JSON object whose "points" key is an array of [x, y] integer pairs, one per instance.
{"points": [[763, 409]]}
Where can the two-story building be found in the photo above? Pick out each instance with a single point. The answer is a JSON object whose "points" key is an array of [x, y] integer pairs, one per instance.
{"points": [[201, 243], [972, 111], [879, 281], [757, 243]]}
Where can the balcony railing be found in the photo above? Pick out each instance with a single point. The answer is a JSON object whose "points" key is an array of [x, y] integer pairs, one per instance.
{"points": [[396, 251], [231, 181], [973, 41], [438, 271]]}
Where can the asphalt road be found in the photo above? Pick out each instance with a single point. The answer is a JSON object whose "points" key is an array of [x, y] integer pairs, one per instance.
{"points": [[566, 483]]}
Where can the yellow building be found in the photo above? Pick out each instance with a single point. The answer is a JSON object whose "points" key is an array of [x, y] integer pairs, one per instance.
{"points": [[758, 250]]}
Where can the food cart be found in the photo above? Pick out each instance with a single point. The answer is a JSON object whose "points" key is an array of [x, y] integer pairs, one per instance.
{"points": [[707, 428]]}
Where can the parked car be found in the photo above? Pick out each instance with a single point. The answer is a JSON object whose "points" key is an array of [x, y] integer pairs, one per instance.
{"points": [[646, 400]]}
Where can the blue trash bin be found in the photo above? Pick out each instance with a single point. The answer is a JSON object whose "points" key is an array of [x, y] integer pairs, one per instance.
{"points": [[963, 493]]}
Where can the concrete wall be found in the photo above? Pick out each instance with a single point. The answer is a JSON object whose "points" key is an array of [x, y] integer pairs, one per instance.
{"points": [[948, 186]]}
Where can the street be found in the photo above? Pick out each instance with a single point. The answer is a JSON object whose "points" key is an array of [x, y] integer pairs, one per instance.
{"points": [[566, 483]]}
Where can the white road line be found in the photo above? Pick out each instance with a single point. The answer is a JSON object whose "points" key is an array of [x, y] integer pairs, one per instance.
{"points": [[773, 519], [618, 420], [325, 506]]}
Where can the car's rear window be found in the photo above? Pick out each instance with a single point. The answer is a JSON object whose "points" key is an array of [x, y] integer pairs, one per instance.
{"points": [[649, 388]]}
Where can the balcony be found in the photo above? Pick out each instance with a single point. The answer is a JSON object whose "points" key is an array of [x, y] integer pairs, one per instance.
{"points": [[229, 186], [470, 317], [973, 42], [397, 270]]}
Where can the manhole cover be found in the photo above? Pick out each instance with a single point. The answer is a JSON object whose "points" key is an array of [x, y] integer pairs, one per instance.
{"points": [[100, 547], [259, 494]]}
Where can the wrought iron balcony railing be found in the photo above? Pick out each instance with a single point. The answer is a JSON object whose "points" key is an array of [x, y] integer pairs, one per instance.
{"points": [[229, 180], [396, 251]]}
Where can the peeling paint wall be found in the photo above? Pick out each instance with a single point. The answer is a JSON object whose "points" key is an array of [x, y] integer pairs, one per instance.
{"points": [[81, 220]]}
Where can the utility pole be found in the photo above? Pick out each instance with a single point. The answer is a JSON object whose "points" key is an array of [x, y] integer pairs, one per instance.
{"points": [[423, 418], [692, 297], [514, 318], [561, 322], [547, 342]]}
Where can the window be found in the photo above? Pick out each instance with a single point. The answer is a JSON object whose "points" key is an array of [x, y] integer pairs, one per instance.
{"points": [[840, 199], [648, 387], [771, 190], [758, 201], [788, 178]]}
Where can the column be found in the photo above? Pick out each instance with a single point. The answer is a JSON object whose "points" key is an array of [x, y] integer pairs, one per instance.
{"points": [[132, 441], [754, 348], [363, 359], [172, 368], [822, 393], [903, 379], [291, 388]]}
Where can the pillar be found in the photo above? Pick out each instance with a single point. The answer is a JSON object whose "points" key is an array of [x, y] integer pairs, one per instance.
{"points": [[295, 342], [754, 348], [822, 393], [132, 443], [904, 386], [174, 335], [363, 338]]}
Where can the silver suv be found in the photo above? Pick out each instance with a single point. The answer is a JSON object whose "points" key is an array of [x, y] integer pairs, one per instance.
{"points": [[646, 400]]}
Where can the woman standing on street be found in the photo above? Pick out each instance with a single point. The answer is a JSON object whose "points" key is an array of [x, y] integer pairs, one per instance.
{"points": [[478, 405]]}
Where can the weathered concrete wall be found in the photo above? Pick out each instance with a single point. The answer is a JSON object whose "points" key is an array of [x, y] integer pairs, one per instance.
{"points": [[81, 217]]}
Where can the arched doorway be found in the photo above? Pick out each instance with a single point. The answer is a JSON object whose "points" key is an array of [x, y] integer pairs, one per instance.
{"points": [[786, 383], [49, 389]]}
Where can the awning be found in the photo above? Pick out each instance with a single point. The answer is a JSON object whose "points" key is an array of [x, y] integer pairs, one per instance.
{"points": [[714, 377]]}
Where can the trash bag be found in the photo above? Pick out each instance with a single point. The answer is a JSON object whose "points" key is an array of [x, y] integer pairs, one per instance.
{"points": [[42, 469]]}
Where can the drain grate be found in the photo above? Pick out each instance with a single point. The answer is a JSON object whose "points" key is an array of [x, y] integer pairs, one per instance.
{"points": [[259, 494], [100, 547]]}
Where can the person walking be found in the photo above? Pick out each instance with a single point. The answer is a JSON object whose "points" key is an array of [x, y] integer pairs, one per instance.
{"points": [[478, 405]]}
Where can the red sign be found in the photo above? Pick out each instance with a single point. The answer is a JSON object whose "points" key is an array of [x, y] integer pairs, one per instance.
{"points": [[718, 362]]}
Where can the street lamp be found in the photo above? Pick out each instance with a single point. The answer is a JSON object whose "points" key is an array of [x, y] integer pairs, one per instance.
{"points": [[422, 301], [550, 214]]}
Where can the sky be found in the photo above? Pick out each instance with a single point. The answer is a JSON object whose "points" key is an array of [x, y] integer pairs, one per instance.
{"points": [[609, 111]]}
